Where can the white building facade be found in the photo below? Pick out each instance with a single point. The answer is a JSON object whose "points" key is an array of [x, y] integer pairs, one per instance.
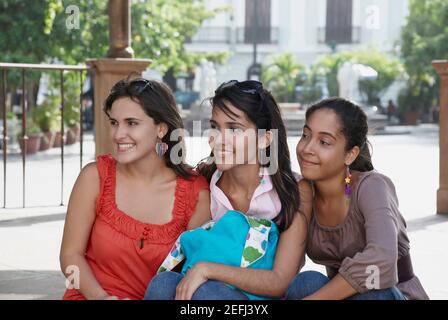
{"points": [[306, 28]]}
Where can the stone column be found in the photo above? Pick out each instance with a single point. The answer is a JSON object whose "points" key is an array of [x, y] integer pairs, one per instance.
{"points": [[106, 73], [441, 67], [120, 29]]}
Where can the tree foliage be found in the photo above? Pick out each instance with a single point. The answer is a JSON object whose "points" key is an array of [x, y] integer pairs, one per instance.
{"points": [[37, 31], [424, 39]]}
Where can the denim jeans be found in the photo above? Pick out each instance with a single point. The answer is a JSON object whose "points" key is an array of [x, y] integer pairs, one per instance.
{"points": [[308, 282], [163, 287]]}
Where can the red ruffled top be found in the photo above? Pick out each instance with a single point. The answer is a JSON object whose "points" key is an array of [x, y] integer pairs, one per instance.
{"points": [[120, 263]]}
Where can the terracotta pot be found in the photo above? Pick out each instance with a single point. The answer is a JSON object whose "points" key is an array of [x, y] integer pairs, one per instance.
{"points": [[77, 130], [71, 137], [32, 144], [47, 140], [412, 117], [57, 140]]}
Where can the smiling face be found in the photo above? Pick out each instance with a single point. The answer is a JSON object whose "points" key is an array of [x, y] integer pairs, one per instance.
{"points": [[233, 138], [133, 132], [321, 151]]}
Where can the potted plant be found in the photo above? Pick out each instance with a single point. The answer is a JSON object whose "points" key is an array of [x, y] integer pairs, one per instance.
{"points": [[280, 76], [72, 111], [412, 117], [408, 107], [47, 117], [32, 139], [51, 114], [71, 120]]}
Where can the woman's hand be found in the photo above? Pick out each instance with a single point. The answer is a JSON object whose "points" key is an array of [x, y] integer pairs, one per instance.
{"points": [[194, 278]]}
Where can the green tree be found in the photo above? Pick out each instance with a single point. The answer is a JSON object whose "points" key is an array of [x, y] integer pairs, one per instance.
{"points": [[424, 39], [161, 27], [37, 30], [37, 33]]}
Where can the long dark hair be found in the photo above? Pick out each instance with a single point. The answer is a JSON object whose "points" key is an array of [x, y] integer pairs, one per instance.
{"points": [[157, 101], [261, 108], [354, 125]]}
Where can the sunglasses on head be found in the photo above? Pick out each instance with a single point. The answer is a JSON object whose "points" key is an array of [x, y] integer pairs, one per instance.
{"points": [[248, 86], [139, 85]]}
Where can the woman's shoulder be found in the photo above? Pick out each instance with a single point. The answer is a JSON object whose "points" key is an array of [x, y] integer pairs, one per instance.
{"points": [[90, 171], [88, 181], [373, 188], [372, 179], [188, 194], [306, 197], [192, 185], [101, 168], [304, 185]]}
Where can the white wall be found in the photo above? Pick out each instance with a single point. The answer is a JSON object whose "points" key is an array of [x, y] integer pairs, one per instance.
{"points": [[298, 22], [220, 20]]}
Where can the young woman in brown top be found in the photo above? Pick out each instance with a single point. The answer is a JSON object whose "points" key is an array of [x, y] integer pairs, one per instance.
{"points": [[356, 230]]}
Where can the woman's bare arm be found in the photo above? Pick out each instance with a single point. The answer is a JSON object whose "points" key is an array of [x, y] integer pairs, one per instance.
{"points": [[78, 225], [202, 211]]}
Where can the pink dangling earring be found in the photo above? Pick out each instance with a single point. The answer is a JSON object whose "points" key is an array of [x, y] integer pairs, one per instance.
{"points": [[161, 148], [348, 181]]}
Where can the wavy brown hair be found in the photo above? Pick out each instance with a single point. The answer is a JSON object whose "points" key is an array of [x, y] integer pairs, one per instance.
{"points": [[157, 101]]}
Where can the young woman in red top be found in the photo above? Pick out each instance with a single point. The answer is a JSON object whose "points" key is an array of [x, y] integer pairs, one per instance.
{"points": [[127, 209]]}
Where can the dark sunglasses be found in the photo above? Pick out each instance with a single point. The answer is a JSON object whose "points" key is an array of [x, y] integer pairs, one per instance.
{"points": [[248, 86], [140, 85]]}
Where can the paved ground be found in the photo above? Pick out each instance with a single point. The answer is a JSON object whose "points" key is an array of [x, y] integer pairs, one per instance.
{"points": [[30, 238]]}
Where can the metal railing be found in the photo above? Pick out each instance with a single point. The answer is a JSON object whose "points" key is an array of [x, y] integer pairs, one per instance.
{"points": [[24, 68], [342, 35], [265, 35], [211, 35]]}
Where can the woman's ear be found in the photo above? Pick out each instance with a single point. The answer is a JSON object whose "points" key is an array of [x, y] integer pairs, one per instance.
{"points": [[162, 130], [265, 140], [351, 155]]}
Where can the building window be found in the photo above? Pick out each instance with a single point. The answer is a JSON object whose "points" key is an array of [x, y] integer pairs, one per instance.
{"points": [[262, 10], [339, 21]]}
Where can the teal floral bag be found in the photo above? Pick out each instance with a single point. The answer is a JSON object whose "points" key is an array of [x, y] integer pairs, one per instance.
{"points": [[235, 240]]}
